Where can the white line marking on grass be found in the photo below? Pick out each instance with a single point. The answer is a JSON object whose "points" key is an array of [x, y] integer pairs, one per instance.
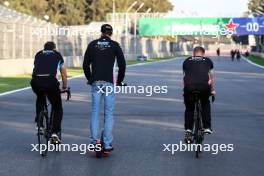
{"points": [[80, 76], [14, 91], [252, 63], [147, 63], [26, 88]]}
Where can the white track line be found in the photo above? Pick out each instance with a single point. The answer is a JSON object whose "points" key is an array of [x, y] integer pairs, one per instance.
{"points": [[14, 91], [80, 76], [26, 88], [147, 63], [252, 63]]}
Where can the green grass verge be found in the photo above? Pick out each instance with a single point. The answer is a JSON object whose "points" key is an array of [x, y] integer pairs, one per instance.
{"points": [[12, 83], [74, 71], [21, 81], [256, 59], [131, 62]]}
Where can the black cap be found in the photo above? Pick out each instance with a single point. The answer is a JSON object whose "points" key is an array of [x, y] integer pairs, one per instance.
{"points": [[106, 28]]}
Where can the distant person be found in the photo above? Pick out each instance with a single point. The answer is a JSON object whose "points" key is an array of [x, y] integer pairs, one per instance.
{"points": [[99, 60], [45, 83], [238, 55], [218, 52], [198, 76], [247, 53], [232, 53]]}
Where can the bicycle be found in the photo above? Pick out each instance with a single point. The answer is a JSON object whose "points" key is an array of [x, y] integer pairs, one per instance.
{"points": [[45, 123], [198, 134]]}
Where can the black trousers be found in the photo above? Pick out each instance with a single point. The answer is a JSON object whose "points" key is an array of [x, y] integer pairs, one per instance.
{"points": [[48, 87], [189, 102]]}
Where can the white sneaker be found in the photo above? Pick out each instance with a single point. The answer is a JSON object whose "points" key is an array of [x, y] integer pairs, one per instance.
{"points": [[188, 130], [41, 129], [207, 131], [188, 136], [55, 138]]}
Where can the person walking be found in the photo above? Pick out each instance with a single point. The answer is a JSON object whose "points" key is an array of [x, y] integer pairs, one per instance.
{"points": [[99, 60]]}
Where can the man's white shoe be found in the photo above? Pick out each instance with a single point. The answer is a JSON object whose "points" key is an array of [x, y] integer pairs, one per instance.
{"points": [[55, 138], [41, 129], [189, 131], [207, 131], [188, 136]]}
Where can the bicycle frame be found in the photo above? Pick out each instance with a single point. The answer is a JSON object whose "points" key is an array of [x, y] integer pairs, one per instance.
{"points": [[50, 116], [198, 130], [45, 121]]}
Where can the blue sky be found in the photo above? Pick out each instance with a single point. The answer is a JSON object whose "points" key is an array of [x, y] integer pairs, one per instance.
{"points": [[211, 7]]}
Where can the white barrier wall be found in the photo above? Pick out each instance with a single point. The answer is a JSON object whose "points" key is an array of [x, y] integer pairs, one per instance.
{"points": [[15, 66]]}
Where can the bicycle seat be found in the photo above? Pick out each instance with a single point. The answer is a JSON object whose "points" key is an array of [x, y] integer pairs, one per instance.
{"points": [[196, 92]]}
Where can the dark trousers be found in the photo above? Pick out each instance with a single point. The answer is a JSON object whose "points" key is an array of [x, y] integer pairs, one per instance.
{"points": [[189, 101], [48, 87]]}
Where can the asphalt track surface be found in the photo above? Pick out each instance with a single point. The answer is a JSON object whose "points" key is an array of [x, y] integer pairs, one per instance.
{"points": [[142, 125]]}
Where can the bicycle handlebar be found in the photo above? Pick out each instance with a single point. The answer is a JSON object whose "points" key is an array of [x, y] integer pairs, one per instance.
{"points": [[68, 91], [213, 98]]}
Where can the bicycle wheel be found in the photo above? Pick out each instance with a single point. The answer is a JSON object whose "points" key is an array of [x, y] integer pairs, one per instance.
{"points": [[199, 143], [43, 136], [196, 138], [198, 135]]}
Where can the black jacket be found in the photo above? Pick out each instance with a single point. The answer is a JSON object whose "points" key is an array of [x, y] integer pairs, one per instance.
{"points": [[100, 57], [196, 70], [47, 62]]}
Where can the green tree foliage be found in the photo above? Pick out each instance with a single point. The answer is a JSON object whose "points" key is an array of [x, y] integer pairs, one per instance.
{"points": [[256, 6], [63, 12], [30, 7], [67, 12], [97, 9], [74, 12]]}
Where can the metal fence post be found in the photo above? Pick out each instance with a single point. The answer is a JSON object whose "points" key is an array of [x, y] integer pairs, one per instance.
{"points": [[4, 42], [23, 42], [14, 42], [30, 42]]}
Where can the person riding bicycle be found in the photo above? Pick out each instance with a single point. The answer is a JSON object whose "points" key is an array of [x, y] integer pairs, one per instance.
{"points": [[45, 83], [101, 55], [198, 76]]}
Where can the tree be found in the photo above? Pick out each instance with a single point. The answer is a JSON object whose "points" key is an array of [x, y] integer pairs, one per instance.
{"points": [[30, 7], [256, 7], [77, 12], [63, 12], [97, 9], [67, 12]]}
